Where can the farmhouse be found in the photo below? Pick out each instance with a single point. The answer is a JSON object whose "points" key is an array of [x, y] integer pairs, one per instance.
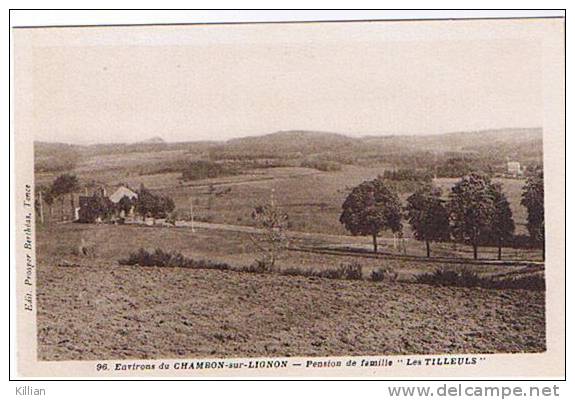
{"points": [[514, 168], [121, 192], [94, 209]]}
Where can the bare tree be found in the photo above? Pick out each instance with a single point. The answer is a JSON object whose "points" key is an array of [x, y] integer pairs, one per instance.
{"points": [[272, 240]]}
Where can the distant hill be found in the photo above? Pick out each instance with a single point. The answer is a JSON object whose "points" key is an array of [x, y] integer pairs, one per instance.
{"points": [[460, 141], [286, 144], [54, 157], [155, 139], [512, 142], [493, 146]]}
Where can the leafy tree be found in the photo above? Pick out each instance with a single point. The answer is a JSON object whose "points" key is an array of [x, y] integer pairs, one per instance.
{"points": [[412, 175], [471, 208], [428, 216], [273, 239], [532, 198], [96, 206], [205, 169], [502, 225], [163, 206], [125, 204], [146, 202], [371, 208], [65, 184], [151, 205]]}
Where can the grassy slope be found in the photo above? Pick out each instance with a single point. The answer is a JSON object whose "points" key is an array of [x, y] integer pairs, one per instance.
{"points": [[56, 244], [311, 198]]}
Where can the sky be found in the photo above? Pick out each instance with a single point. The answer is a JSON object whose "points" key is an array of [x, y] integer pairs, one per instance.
{"points": [[217, 85]]}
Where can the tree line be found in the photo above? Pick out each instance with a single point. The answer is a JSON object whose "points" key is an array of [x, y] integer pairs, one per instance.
{"points": [[476, 212]]}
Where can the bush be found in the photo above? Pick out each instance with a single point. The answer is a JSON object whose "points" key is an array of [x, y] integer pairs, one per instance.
{"points": [[94, 207], [196, 170], [352, 271], [203, 218], [322, 165], [468, 278], [382, 274], [258, 267], [298, 271], [450, 277], [528, 282], [329, 273], [161, 258], [410, 175], [84, 250]]}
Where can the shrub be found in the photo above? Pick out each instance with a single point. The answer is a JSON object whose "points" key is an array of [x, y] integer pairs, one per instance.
{"points": [[329, 273], [298, 271], [529, 282], [141, 257], [411, 175], [161, 258], [382, 274], [352, 271], [84, 250], [258, 267], [322, 165], [94, 207], [196, 170], [204, 218], [450, 277]]}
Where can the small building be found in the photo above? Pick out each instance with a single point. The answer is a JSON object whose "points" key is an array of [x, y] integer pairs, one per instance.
{"points": [[514, 168], [99, 207], [121, 192]]}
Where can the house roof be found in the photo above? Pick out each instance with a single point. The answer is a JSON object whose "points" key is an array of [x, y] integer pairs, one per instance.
{"points": [[121, 192]]}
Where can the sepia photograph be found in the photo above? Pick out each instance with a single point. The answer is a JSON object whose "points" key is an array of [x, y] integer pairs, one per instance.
{"points": [[319, 191]]}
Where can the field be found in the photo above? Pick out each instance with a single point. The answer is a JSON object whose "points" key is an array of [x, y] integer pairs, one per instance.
{"points": [[95, 309], [311, 198]]}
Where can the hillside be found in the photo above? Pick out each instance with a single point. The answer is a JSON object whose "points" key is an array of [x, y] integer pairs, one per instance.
{"points": [[523, 144], [155, 139], [492, 147], [461, 141], [287, 144]]}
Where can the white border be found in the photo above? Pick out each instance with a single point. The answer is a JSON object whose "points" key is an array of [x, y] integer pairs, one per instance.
{"points": [[260, 389]]}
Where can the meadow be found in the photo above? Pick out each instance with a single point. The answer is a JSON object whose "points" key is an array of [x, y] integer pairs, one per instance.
{"points": [[311, 198]]}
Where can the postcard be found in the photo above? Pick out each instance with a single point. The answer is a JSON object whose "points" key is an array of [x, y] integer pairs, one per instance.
{"points": [[368, 199]]}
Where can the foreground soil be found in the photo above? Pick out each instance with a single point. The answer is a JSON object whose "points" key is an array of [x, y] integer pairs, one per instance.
{"points": [[119, 312]]}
